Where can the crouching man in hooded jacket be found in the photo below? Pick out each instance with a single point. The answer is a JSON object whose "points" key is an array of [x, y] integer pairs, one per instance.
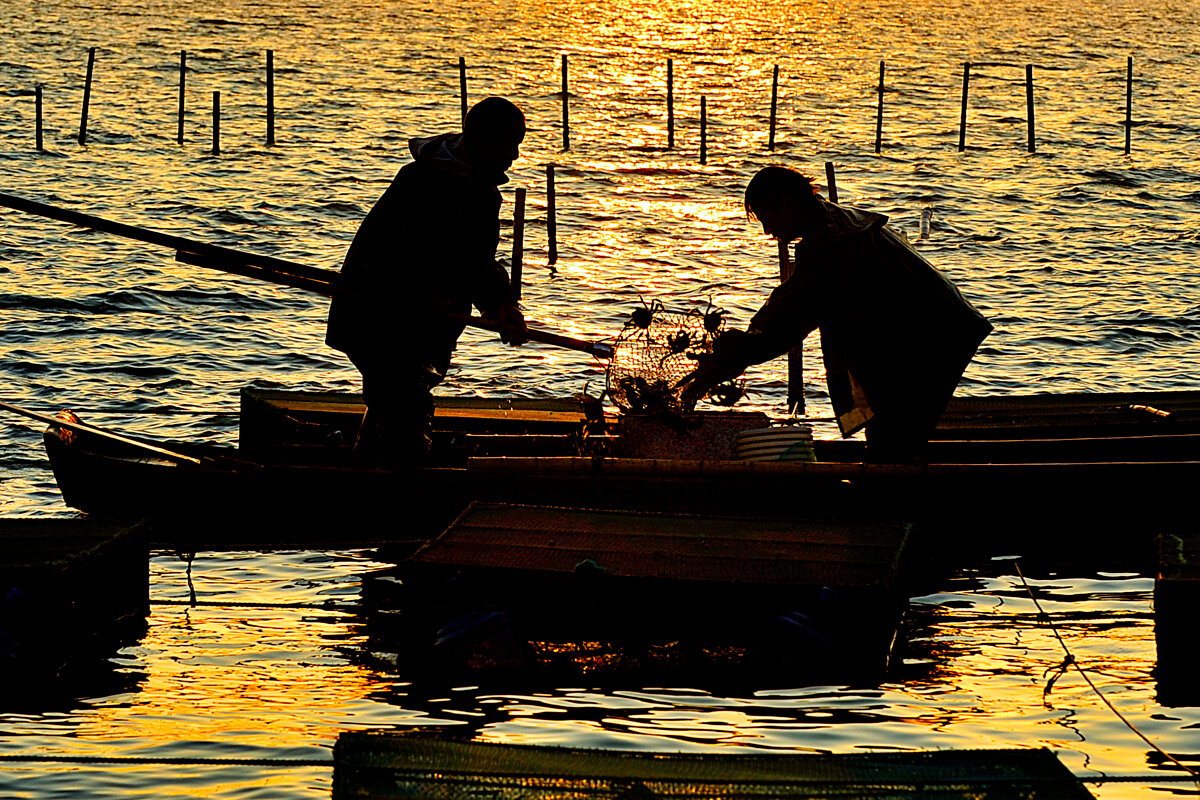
{"points": [[896, 334], [424, 254]]}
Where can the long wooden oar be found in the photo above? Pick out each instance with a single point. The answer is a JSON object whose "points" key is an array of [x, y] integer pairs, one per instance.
{"points": [[266, 268], [80, 427]]}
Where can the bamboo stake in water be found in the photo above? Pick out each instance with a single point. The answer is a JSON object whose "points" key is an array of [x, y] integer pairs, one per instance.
{"points": [[518, 252], [670, 103], [216, 123], [1128, 103], [87, 96], [795, 356], [37, 105], [774, 106], [879, 113], [831, 182], [551, 214], [1029, 103], [703, 130], [270, 98], [566, 120], [182, 85], [462, 88], [962, 120]]}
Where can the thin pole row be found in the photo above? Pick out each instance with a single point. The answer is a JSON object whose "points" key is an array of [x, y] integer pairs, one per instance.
{"points": [[566, 123], [462, 88], [87, 96], [879, 113], [774, 106], [182, 85], [37, 105], [551, 213], [1128, 102], [518, 252], [270, 98], [962, 120], [670, 103], [1029, 103], [216, 124], [703, 130]]}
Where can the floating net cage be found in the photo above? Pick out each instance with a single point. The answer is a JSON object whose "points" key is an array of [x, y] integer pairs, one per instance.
{"points": [[656, 349]]}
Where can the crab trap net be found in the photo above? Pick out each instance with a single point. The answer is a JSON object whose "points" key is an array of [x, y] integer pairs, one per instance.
{"points": [[656, 349]]}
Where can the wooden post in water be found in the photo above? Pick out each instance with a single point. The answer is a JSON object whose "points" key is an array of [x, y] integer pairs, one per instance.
{"points": [[774, 106], [462, 88], [182, 85], [270, 98], [1029, 104], [795, 356], [703, 130], [831, 182], [87, 96], [1128, 103], [962, 120], [551, 221], [879, 114], [670, 103], [518, 251], [216, 123], [37, 113], [566, 119]]}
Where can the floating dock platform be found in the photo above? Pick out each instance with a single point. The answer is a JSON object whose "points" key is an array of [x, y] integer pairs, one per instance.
{"points": [[386, 765]]}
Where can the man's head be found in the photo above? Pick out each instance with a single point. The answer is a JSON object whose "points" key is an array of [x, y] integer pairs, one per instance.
{"points": [[783, 200], [493, 132]]}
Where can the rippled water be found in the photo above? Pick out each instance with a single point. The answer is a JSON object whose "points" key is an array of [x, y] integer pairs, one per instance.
{"points": [[1083, 257]]}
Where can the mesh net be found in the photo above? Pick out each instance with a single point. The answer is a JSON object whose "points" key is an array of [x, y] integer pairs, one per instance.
{"points": [[654, 351]]}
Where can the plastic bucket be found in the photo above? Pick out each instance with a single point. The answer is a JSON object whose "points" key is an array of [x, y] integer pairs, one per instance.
{"points": [[783, 443]]}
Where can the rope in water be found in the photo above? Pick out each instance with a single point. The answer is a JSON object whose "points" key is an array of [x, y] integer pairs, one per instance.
{"points": [[1070, 661]]}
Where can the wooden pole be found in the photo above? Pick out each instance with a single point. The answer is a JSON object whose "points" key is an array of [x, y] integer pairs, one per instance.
{"points": [[703, 130], [1128, 103], [37, 106], [774, 106], [182, 86], [518, 252], [962, 119], [670, 103], [831, 182], [551, 217], [87, 96], [566, 119], [270, 98], [216, 123], [879, 113], [795, 356], [462, 88], [1029, 104]]}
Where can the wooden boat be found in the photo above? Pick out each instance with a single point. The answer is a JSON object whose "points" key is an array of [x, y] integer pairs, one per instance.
{"points": [[293, 471]]}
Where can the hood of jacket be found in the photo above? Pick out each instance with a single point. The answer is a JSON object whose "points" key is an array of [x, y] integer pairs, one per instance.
{"points": [[841, 222], [445, 153]]}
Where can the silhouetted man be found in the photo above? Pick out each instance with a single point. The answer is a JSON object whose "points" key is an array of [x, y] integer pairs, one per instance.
{"points": [[896, 334], [425, 253]]}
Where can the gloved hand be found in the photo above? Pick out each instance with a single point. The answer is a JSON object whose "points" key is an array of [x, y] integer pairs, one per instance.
{"points": [[513, 320], [723, 364]]}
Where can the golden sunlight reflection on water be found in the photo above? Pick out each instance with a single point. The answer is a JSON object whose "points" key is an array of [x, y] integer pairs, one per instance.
{"points": [[1083, 257]]}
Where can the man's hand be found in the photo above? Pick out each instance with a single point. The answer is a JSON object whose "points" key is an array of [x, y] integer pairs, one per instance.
{"points": [[723, 364], [513, 322]]}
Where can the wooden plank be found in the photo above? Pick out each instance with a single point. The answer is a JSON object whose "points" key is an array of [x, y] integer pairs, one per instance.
{"points": [[498, 537], [390, 764]]}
